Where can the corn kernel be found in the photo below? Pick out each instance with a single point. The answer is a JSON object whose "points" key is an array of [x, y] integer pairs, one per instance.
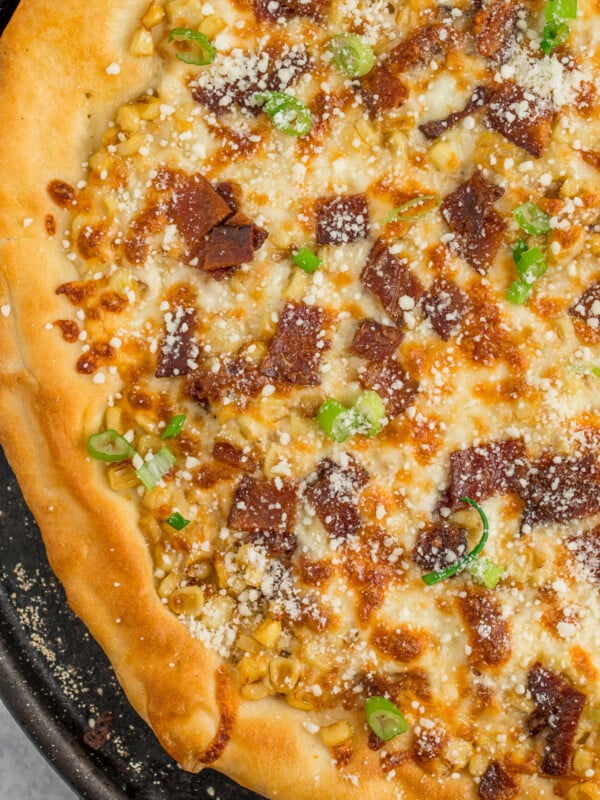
{"points": [[478, 764], [458, 752], [298, 698], [185, 13], [584, 791], [252, 668], [246, 643], [150, 528], [298, 285], [122, 477], [128, 119], [217, 612], [168, 585], [157, 497], [338, 733], [583, 760], [268, 632], [211, 25], [152, 15], [132, 145], [443, 157], [284, 674], [254, 691], [112, 418], [188, 600], [148, 108], [367, 133], [397, 143], [141, 44], [163, 558]]}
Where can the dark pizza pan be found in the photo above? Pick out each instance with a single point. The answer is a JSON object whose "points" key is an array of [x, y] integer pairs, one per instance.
{"points": [[54, 678]]}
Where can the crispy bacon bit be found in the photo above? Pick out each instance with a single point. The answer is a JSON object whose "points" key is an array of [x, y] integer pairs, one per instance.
{"points": [[99, 733], [421, 45], [587, 308], [342, 219], [390, 280], [195, 207], [234, 457], [497, 784], [586, 549], [229, 246], [561, 489], [429, 743], [445, 305], [520, 116], [374, 341], [382, 91], [558, 707], [63, 194], [436, 127], [235, 381], [402, 644], [489, 633], [333, 495], [266, 509], [294, 355], [69, 329], [494, 468], [439, 545], [478, 227], [276, 10], [77, 291], [495, 28], [237, 81], [395, 386], [50, 224], [178, 350], [210, 475]]}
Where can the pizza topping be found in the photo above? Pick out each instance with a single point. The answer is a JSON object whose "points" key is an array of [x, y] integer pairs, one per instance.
{"points": [[178, 350], [228, 246], [422, 45], [194, 47], [558, 707], [556, 31], [154, 470], [174, 427], [266, 509], [392, 383], [288, 114], [532, 219], [489, 631], [495, 27], [229, 379], [560, 489], [586, 549], [440, 545], [234, 457], [177, 521], [333, 494], [521, 116], [479, 472], [365, 416], [497, 784], [109, 446], [375, 341], [587, 308], [478, 227], [294, 354], [381, 90], [280, 10], [429, 743], [390, 280], [342, 219], [384, 718], [416, 208], [352, 54], [435, 128], [306, 260], [445, 305]]}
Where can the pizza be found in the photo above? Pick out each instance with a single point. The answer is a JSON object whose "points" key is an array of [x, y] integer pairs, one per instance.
{"points": [[300, 327]]}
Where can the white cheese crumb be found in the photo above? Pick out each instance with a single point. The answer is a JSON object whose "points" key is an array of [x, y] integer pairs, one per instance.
{"points": [[113, 69], [5, 310]]}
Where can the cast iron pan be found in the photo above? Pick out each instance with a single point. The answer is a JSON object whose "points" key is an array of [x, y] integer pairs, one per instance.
{"points": [[54, 678]]}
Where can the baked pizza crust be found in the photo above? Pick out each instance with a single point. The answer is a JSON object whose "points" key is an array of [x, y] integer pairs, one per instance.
{"points": [[57, 98]]}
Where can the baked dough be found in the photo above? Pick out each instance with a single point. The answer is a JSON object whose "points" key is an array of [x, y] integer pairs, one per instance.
{"points": [[127, 180]]}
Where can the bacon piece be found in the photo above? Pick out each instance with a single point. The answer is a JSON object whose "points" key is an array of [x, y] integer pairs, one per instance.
{"points": [[497, 784], [274, 10], [522, 117], [586, 549], [294, 355], [195, 207], [587, 308], [559, 707], [401, 643], [271, 69], [228, 246], [439, 545], [494, 468], [381, 90], [374, 341], [478, 227], [435, 127], [342, 219], [489, 633], [234, 457], [429, 743], [560, 489], [177, 348], [495, 28], [445, 305], [266, 509], [421, 45], [390, 279], [333, 495], [395, 386], [236, 380], [100, 734]]}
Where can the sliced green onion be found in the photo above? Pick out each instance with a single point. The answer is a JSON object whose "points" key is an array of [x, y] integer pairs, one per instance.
{"points": [[414, 209], [518, 292], [583, 369], [199, 50], [370, 413], [109, 446], [335, 419], [177, 521], [461, 563], [556, 30], [486, 572], [306, 260], [531, 265], [351, 54], [288, 114], [153, 471], [519, 248], [532, 219], [558, 10], [174, 427], [384, 718]]}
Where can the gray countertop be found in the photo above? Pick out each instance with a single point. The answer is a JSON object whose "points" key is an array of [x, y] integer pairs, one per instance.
{"points": [[24, 774]]}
